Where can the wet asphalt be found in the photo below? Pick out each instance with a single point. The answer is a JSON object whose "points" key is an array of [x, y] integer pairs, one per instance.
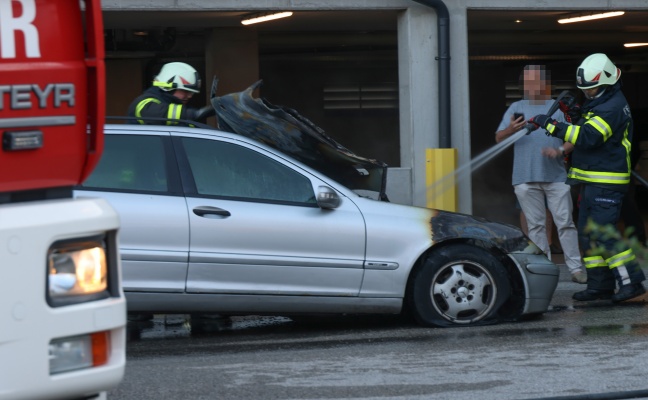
{"points": [[577, 350]]}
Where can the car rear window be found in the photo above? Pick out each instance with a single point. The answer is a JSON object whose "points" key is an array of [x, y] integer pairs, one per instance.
{"points": [[131, 162]]}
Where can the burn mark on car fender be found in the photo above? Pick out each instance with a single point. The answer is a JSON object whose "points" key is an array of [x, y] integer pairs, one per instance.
{"points": [[446, 225]]}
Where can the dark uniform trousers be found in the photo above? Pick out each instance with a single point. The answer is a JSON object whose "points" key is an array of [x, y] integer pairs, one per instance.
{"points": [[603, 207]]}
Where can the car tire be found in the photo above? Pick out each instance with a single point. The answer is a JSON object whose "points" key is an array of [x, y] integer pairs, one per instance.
{"points": [[458, 285]]}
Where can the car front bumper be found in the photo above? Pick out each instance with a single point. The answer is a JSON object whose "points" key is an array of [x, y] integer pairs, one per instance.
{"points": [[540, 277]]}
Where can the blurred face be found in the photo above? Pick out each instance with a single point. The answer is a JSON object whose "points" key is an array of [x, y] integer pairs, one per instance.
{"points": [[536, 84], [183, 95]]}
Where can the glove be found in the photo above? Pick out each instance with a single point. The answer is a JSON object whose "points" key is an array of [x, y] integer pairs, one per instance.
{"points": [[203, 113], [543, 121], [530, 127], [572, 113]]}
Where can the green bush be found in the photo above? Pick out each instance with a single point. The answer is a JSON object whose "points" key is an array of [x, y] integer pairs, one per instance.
{"points": [[623, 240]]}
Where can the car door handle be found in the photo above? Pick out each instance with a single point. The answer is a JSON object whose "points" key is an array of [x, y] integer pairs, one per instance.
{"points": [[208, 210]]}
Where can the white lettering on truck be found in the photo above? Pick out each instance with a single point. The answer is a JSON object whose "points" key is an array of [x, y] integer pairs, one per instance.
{"points": [[20, 96], [10, 24]]}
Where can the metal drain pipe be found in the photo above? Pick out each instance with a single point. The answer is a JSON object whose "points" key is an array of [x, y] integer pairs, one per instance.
{"points": [[443, 21]]}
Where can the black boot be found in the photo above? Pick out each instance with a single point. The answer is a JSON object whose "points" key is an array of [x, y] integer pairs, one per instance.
{"points": [[627, 292], [600, 285], [593, 294], [630, 285]]}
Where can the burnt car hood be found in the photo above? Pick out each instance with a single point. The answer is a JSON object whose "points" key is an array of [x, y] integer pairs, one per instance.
{"points": [[286, 130]]}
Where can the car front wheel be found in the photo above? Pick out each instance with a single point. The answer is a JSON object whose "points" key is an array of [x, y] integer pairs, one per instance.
{"points": [[458, 285]]}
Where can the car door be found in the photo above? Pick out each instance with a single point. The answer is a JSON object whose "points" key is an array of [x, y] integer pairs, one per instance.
{"points": [[138, 175], [256, 227]]}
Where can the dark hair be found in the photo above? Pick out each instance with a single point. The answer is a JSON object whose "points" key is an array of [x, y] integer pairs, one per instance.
{"points": [[545, 74]]}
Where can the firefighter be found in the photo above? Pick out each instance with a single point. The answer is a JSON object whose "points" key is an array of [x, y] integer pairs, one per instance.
{"points": [[165, 102], [601, 163]]}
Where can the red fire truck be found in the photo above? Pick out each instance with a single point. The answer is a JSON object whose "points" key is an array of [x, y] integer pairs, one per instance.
{"points": [[62, 308]]}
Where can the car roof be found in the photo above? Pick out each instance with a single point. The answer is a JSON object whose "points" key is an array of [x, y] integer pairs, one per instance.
{"points": [[193, 131]]}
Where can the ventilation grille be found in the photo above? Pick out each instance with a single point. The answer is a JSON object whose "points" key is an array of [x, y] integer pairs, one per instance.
{"points": [[361, 97]]}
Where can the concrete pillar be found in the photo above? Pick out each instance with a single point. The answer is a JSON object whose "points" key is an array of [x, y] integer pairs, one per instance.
{"points": [[123, 84], [232, 55], [418, 92], [460, 102]]}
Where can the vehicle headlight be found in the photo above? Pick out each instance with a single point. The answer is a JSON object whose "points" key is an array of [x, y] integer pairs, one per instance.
{"points": [[77, 271]]}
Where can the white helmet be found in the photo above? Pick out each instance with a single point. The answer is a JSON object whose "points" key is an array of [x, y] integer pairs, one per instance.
{"points": [[177, 75], [596, 70]]}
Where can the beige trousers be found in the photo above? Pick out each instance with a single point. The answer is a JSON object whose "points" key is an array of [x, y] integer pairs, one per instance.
{"points": [[532, 200]]}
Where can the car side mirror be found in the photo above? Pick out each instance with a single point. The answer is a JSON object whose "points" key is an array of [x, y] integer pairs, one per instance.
{"points": [[327, 198]]}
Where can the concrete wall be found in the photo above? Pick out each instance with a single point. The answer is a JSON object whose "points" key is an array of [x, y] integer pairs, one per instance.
{"points": [[232, 55], [123, 84]]}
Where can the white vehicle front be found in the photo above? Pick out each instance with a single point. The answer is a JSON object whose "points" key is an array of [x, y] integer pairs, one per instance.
{"points": [[62, 309]]}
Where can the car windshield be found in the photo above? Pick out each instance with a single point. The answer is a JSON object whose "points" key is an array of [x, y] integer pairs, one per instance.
{"points": [[289, 132]]}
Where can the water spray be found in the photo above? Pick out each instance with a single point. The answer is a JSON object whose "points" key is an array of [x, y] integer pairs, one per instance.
{"points": [[447, 182]]}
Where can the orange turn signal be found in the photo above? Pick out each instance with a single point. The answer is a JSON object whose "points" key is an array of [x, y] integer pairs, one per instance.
{"points": [[100, 348]]}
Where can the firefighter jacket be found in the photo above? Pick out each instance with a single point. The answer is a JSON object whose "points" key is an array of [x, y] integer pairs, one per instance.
{"points": [[163, 106], [601, 141]]}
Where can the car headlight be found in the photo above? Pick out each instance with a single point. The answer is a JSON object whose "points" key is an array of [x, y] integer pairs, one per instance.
{"points": [[77, 271]]}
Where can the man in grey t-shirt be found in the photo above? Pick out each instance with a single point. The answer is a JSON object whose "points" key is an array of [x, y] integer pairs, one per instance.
{"points": [[539, 176]]}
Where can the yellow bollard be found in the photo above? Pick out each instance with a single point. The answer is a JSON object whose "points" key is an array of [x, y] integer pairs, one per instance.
{"points": [[440, 180]]}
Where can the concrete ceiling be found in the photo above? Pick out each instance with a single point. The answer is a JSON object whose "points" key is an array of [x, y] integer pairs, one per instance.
{"points": [[538, 34], [300, 21], [493, 34]]}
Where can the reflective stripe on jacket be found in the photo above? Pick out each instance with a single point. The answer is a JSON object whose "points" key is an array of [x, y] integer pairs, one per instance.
{"points": [[601, 140], [156, 103]]}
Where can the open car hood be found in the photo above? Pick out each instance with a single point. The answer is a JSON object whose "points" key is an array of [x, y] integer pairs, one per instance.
{"points": [[287, 131]]}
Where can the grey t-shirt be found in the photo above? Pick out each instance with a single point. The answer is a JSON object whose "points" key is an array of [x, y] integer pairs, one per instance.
{"points": [[529, 165]]}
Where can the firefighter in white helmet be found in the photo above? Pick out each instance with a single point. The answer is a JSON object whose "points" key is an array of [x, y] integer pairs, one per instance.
{"points": [[165, 102], [601, 135]]}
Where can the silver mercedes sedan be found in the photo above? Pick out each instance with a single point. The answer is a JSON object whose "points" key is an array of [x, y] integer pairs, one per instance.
{"points": [[217, 222]]}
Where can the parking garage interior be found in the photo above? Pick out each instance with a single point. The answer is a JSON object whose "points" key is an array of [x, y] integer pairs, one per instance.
{"points": [[340, 70]]}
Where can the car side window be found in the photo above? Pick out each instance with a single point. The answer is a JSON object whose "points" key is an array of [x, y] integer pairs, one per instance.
{"points": [[229, 170], [131, 162]]}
